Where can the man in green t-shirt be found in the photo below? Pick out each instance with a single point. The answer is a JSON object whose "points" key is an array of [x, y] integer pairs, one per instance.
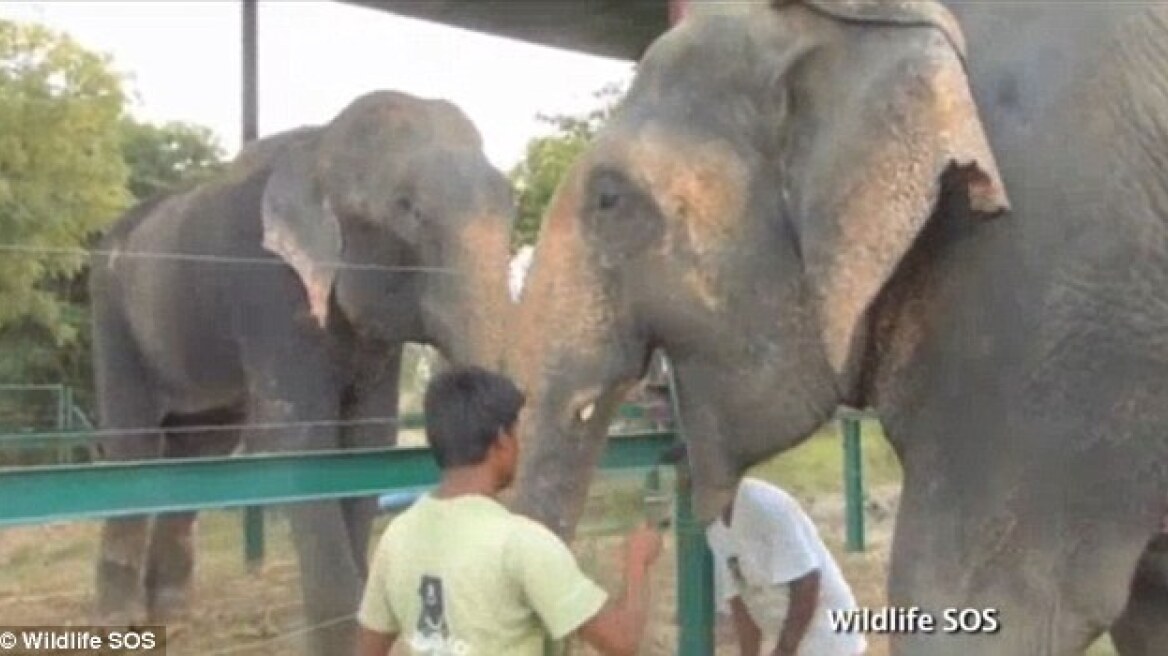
{"points": [[458, 574]]}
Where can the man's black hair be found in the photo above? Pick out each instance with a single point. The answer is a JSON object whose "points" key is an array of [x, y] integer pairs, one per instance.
{"points": [[466, 408]]}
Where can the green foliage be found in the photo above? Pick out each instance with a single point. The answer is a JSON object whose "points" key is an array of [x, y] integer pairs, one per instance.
{"points": [[70, 162], [548, 159], [163, 157], [61, 172]]}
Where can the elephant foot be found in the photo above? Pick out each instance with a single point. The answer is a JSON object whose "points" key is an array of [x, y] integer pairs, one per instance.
{"points": [[119, 594], [168, 605]]}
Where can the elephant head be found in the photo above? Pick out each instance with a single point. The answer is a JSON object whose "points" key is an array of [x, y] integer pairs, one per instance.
{"points": [[767, 172], [392, 218]]}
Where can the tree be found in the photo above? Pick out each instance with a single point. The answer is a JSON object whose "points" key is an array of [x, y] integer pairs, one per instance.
{"points": [[70, 161], [62, 176], [548, 158], [163, 157]]}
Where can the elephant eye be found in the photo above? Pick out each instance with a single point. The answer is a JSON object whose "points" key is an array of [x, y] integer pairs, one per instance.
{"points": [[608, 200], [404, 204], [608, 190]]}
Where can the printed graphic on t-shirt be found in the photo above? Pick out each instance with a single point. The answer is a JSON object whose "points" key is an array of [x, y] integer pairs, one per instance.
{"points": [[434, 635]]}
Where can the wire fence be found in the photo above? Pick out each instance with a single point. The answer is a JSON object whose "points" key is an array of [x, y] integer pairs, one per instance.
{"points": [[105, 433], [208, 258], [287, 635]]}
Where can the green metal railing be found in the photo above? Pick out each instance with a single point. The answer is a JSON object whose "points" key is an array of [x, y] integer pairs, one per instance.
{"points": [[55, 493]]}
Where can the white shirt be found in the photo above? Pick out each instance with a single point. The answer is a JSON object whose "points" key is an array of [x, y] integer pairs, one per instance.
{"points": [[769, 543]]}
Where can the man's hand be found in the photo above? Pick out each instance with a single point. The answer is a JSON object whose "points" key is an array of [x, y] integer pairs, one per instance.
{"points": [[618, 628], [373, 643], [642, 548], [804, 599], [749, 635]]}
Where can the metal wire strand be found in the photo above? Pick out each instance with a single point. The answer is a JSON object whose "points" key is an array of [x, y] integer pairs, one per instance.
{"points": [[302, 631], [20, 249]]}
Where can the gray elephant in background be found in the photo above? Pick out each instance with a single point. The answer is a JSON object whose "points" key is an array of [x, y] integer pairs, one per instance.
{"points": [[279, 297], [957, 217]]}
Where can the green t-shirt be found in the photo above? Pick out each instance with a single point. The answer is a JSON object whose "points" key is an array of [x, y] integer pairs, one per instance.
{"points": [[464, 576]]}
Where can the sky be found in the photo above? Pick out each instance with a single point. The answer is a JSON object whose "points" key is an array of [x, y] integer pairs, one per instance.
{"points": [[182, 60]]}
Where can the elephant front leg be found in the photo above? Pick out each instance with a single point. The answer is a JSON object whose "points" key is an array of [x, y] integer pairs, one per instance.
{"points": [[370, 413], [1051, 591], [300, 414]]}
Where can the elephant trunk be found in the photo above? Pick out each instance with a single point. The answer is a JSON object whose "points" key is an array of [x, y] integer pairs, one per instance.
{"points": [[465, 318], [573, 358]]}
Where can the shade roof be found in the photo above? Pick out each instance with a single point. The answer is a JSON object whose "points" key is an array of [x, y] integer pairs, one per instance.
{"points": [[620, 29]]}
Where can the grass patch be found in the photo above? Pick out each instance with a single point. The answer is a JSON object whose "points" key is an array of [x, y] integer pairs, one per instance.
{"points": [[816, 466]]}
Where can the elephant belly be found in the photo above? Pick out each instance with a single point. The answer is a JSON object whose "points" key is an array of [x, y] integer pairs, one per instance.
{"points": [[185, 342], [176, 302]]}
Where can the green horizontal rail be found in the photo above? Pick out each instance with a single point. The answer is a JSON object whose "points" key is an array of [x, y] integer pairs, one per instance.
{"points": [[36, 495]]}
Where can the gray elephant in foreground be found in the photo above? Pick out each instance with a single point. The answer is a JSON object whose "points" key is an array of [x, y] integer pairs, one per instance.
{"points": [[278, 297], [799, 204]]}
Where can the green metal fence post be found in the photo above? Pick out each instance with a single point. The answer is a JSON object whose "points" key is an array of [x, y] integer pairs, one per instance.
{"points": [[853, 484], [64, 403], [695, 563], [695, 577], [253, 537]]}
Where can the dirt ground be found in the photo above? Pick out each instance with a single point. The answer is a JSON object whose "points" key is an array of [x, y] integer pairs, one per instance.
{"points": [[46, 578]]}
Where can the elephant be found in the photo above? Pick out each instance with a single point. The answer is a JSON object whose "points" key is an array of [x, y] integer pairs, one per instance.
{"points": [[955, 215], [267, 310]]}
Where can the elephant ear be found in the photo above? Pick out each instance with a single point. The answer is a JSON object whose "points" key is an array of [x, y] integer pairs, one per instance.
{"points": [[300, 226], [890, 138]]}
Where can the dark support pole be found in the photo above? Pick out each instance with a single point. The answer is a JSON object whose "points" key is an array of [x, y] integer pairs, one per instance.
{"points": [[253, 516], [251, 74]]}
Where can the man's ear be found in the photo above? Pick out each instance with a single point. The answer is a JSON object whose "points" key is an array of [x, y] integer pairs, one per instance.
{"points": [[505, 439]]}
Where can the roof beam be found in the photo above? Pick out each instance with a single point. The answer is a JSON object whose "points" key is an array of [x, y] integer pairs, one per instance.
{"points": [[619, 29]]}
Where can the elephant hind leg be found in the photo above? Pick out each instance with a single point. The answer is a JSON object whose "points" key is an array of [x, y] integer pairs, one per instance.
{"points": [[128, 417], [118, 584], [121, 560], [170, 561], [1142, 630]]}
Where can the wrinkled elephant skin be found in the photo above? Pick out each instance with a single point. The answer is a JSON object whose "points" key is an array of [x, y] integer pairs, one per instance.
{"points": [[958, 217]]}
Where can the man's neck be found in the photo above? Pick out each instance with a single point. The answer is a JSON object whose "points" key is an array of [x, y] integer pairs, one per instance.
{"points": [[462, 481]]}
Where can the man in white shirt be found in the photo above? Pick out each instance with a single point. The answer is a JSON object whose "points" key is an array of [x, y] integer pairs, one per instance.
{"points": [[777, 577]]}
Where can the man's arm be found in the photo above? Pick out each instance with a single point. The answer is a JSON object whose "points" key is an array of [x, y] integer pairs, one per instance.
{"points": [[800, 612], [749, 635], [373, 643], [619, 626]]}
